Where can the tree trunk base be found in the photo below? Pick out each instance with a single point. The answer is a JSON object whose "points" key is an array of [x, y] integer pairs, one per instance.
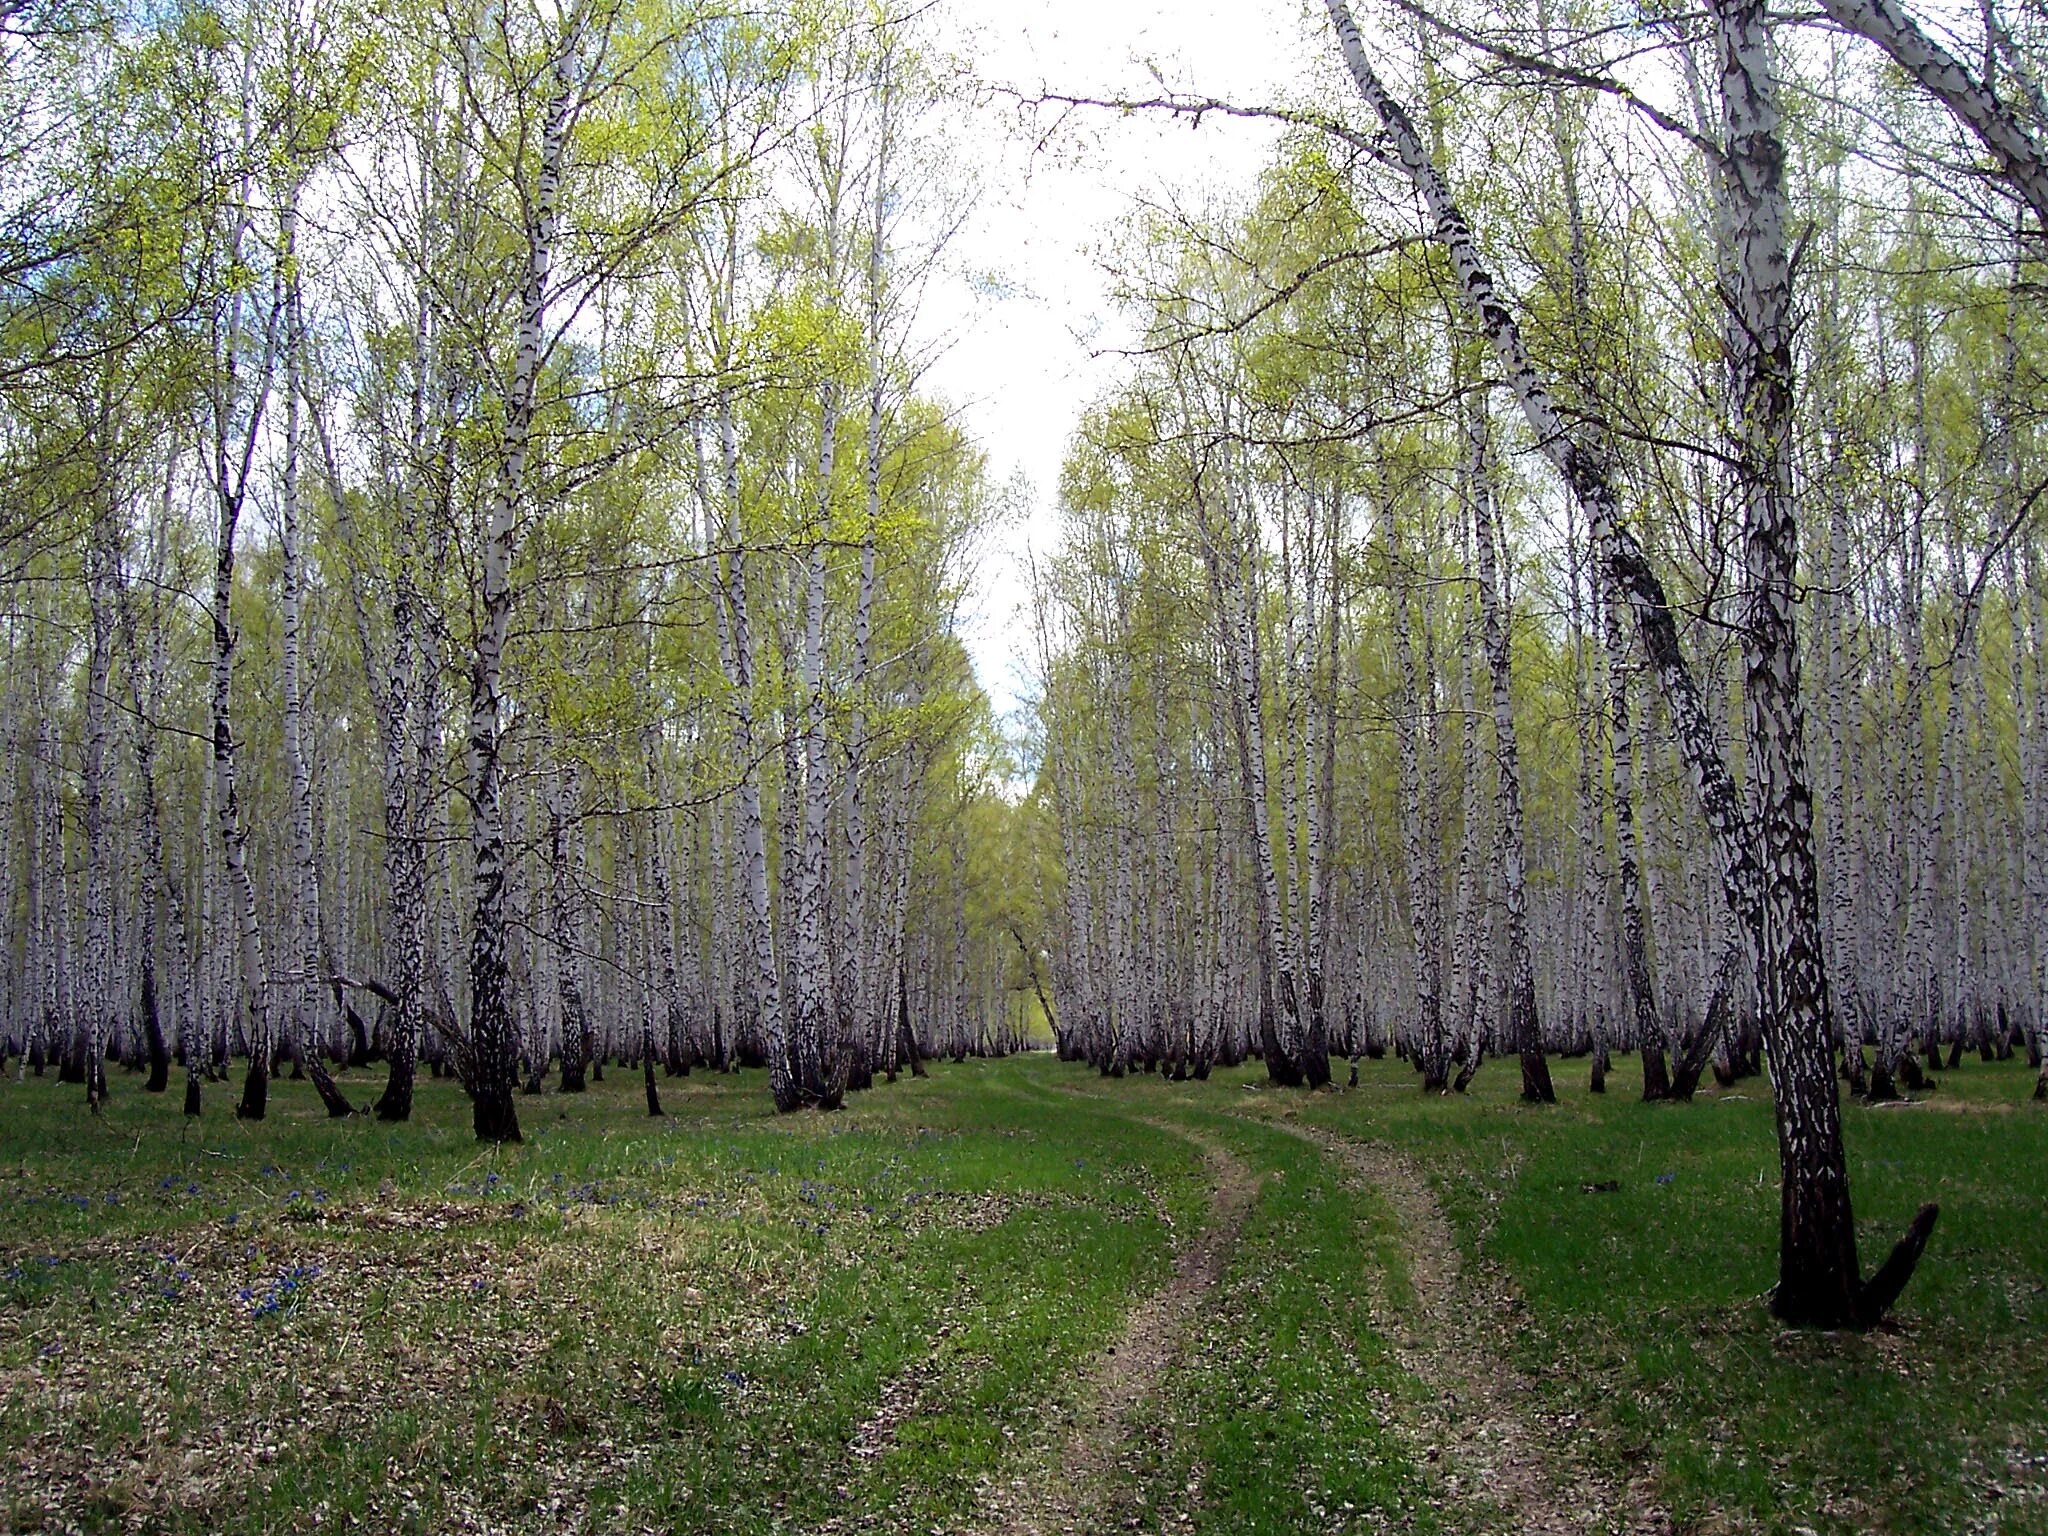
{"points": [[159, 1054], [338, 1106], [1867, 1302], [1656, 1077], [394, 1105], [654, 1110], [496, 1118], [255, 1093]]}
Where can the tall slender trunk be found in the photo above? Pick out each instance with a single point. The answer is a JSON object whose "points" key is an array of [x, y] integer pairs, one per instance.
{"points": [[901, 1044], [724, 985], [1419, 858], [146, 684], [1225, 554], [303, 919], [493, 1039], [1628, 852], [1524, 1027], [1819, 1281], [240, 891], [817, 1053], [1126, 1012], [565, 920], [45, 855], [2035, 800], [98, 1006], [753, 849]]}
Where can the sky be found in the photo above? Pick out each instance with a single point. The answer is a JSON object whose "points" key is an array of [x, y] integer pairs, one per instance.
{"points": [[1021, 312]]}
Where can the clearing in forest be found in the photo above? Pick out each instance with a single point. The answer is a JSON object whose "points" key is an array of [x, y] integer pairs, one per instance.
{"points": [[1008, 1298]]}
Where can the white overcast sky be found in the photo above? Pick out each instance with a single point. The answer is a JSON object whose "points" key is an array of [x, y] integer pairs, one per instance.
{"points": [[1018, 364]]}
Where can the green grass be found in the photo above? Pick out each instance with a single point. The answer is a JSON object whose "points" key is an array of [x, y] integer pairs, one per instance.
{"points": [[1645, 1307], [685, 1324], [234, 1327]]}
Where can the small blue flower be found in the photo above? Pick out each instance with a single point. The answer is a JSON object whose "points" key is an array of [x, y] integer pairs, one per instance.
{"points": [[1666, 1178]]}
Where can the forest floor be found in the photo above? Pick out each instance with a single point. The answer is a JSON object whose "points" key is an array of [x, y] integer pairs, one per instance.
{"points": [[1010, 1299]]}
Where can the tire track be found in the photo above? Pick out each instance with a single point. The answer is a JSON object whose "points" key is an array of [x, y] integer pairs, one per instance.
{"points": [[1477, 1416], [1075, 1489]]}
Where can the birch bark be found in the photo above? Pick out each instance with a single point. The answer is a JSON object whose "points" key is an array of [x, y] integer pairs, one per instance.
{"points": [[101, 558], [1819, 1281], [1525, 1033], [146, 686], [494, 1041], [237, 405], [303, 917], [1224, 553], [1972, 101], [1818, 1278]]}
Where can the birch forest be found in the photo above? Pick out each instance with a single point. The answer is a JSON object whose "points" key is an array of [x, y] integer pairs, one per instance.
{"points": [[1551, 603], [481, 570]]}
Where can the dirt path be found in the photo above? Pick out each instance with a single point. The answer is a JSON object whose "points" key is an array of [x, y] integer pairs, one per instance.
{"points": [[1480, 1423], [1075, 1488]]}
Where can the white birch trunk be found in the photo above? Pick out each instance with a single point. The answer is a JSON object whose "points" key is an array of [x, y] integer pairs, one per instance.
{"points": [[493, 1040], [1225, 551], [1524, 1029], [98, 1002]]}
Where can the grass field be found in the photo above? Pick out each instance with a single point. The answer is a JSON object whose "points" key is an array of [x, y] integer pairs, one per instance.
{"points": [[977, 1303]]}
